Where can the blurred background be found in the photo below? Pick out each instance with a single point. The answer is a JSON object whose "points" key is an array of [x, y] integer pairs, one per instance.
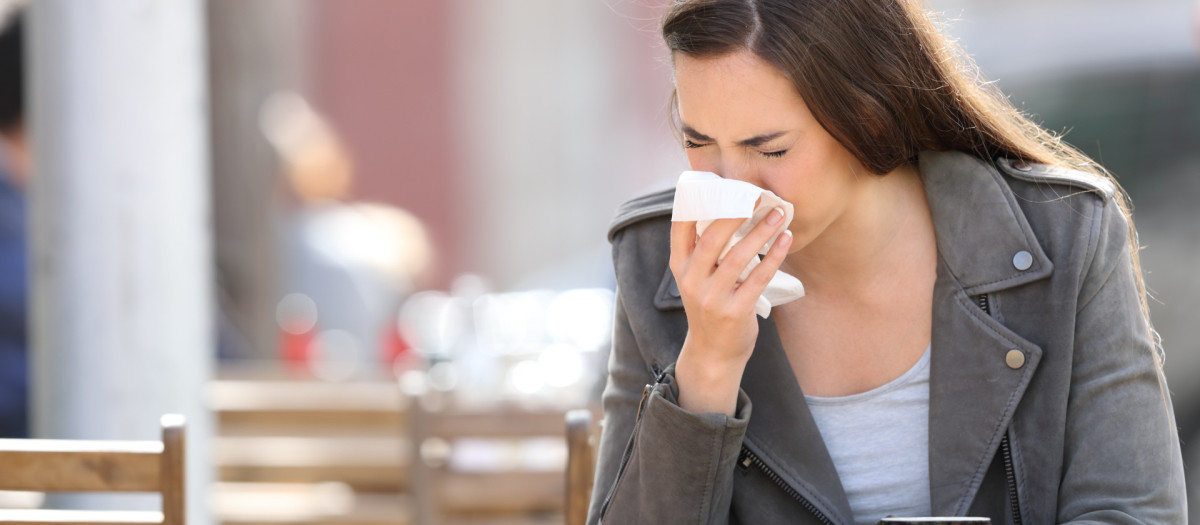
{"points": [[209, 202]]}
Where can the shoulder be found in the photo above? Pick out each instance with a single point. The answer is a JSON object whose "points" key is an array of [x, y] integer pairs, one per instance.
{"points": [[1074, 214], [1046, 175], [644, 208], [641, 237], [1059, 201]]}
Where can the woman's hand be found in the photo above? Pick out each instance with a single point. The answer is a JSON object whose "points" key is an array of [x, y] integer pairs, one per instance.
{"points": [[721, 323]]}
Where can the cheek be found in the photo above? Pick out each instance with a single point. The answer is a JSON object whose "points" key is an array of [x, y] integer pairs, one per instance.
{"points": [[810, 188]]}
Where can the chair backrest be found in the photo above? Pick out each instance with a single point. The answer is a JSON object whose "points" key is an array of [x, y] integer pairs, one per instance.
{"points": [[302, 450], [487, 465], [581, 465], [54, 465]]}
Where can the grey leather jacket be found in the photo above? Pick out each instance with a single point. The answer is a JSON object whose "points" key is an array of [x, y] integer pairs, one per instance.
{"points": [[1047, 401]]}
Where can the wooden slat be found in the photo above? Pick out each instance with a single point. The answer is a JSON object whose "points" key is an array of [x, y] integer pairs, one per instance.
{"points": [[78, 517], [63, 465], [306, 407], [174, 470], [512, 492], [360, 478], [580, 466], [310, 423], [495, 424], [538, 518], [311, 452], [303, 503], [372, 463], [258, 396]]}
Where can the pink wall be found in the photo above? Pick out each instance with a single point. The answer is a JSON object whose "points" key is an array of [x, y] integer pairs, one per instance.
{"points": [[381, 71]]}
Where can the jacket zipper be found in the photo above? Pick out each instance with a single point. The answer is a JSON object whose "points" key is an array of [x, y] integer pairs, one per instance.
{"points": [[748, 458], [983, 304], [1010, 473], [637, 422]]}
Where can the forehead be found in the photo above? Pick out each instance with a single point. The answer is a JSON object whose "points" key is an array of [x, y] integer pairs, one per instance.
{"points": [[736, 94]]}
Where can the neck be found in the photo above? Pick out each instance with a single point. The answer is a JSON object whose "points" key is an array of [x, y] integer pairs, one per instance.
{"points": [[886, 233]]}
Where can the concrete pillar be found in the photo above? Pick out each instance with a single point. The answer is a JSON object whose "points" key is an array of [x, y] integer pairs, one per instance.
{"points": [[121, 269]]}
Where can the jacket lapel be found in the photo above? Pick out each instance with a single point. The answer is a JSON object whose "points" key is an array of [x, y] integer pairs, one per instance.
{"points": [[975, 384], [972, 394], [783, 433]]}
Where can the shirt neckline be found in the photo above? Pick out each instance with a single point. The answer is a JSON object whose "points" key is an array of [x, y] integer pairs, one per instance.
{"points": [[907, 377]]}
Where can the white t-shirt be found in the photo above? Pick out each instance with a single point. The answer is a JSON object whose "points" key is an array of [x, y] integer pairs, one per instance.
{"points": [[879, 441]]}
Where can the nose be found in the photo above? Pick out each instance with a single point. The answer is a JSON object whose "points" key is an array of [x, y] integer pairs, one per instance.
{"points": [[737, 169]]}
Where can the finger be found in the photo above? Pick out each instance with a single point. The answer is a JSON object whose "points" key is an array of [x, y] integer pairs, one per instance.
{"points": [[741, 253], [758, 279], [712, 242], [683, 243]]}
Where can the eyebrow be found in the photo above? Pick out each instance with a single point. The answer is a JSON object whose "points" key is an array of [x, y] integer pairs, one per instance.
{"points": [[754, 142]]}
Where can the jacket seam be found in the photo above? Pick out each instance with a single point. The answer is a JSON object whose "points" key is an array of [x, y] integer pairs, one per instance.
{"points": [[1021, 275], [709, 482], [1093, 248], [622, 475]]}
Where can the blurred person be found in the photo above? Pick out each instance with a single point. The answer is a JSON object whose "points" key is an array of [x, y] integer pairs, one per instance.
{"points": [[974, 339], [14, 171], [351, 262]]}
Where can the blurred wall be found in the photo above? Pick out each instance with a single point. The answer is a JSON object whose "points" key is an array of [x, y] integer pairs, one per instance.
{"points": [[513, 128], [562, 106], [382, 72]]}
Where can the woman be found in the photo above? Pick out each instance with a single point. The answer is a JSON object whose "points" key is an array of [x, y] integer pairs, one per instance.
{"points": [[974, 339]]}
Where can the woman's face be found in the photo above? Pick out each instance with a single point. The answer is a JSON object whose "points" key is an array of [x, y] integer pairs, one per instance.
{"points": [[742, 119]]}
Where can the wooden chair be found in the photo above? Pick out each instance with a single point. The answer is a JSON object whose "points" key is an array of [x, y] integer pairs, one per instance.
{"points": [[310, 452], [51, 465], [505, 490], [581, 465]]}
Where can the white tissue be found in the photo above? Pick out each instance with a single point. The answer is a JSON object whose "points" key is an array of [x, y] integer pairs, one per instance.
{"points": [[704, 197]]}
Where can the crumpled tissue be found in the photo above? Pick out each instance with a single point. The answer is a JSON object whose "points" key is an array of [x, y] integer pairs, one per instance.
{"points": [[704, 197]]}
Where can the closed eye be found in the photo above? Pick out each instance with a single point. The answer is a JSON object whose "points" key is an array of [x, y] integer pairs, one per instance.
{"points": [[691, 145], [773, 154]]}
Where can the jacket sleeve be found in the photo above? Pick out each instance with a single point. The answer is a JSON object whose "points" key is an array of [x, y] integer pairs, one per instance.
{"points": [[659, 463], [1122, 461]]}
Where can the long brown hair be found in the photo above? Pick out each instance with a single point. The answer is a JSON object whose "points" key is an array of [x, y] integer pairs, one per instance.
{"points": [[881, 78]]}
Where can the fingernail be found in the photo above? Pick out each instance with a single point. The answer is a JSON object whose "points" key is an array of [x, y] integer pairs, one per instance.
{"points": [[775, 216]]}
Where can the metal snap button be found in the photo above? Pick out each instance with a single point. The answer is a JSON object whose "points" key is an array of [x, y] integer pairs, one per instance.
{"points": [[1014, 359], [1022, 260], [1021, 165]]}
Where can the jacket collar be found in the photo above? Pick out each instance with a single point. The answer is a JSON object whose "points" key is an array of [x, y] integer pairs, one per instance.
{"points": [[980, 228]]}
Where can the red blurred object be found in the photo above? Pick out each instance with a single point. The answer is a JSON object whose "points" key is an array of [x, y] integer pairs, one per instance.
{"points": [[396, 350], [296, 349]]}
